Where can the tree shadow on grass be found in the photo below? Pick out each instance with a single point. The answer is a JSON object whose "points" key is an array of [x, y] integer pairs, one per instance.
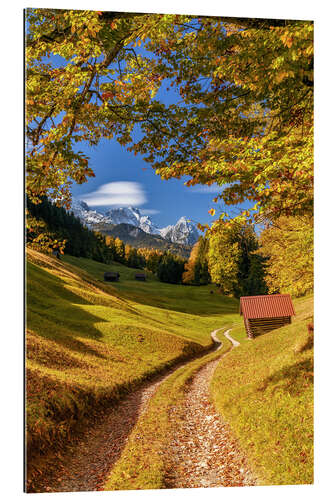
{"points": [[292, 379], [308, 344], [65, 337], [56, 313]]}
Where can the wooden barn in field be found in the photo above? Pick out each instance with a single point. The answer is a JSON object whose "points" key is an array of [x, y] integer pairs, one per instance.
{"points": [[140, 276], [56, 253], [263, 313], [111, 276]]}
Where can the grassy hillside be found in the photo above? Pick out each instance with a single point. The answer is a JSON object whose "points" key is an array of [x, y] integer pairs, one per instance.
{"points": [[138, 238], [264, 389], [197, 301], [89, 342]]}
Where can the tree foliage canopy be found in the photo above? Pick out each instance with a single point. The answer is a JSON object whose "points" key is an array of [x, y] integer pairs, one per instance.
{"points": [[96, 85], [247, 123], [233, 261], [244, 119], [288, 246]]}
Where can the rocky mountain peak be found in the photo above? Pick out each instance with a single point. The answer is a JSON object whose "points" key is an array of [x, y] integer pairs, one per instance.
{"points": [[184, 231]]}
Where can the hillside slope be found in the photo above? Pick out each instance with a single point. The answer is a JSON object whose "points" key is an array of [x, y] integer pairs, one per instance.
{"points": [[89, 342], [264, 389], [138, 238]]}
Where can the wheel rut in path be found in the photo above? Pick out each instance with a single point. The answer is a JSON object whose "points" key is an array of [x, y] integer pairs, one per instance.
{"points": [[203, 452], [88, 464]]}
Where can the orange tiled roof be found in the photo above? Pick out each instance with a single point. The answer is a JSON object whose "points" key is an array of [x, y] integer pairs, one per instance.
{"points": [[266, 306]]}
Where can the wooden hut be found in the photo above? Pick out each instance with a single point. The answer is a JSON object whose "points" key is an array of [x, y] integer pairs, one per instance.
{"points": [[111, 276], [140, 276], [263, 313]]}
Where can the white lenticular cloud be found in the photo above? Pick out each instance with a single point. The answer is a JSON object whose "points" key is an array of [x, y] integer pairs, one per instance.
{"points": [[119, 194]]}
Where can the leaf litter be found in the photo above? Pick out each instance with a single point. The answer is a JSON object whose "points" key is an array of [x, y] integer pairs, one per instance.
{"points": [[202, 452]]}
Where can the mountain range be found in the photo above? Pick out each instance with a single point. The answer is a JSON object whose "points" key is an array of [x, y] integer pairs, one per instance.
{"points": [[184, 232]]}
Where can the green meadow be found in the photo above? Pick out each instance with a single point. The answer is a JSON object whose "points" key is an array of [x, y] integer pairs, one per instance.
{"points": [[90, 342]]}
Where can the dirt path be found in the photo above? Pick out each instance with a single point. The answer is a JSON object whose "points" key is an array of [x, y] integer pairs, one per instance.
{"points": [[88, 464], [195, 451], [203, 452], [234, 342]]}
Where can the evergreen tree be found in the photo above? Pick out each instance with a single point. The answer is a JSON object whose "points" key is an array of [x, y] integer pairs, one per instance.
{"points": [[170, 269], [153, 260], [51, 227]]}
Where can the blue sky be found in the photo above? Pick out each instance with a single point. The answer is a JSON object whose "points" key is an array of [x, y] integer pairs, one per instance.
{"points": [[165, 201]]}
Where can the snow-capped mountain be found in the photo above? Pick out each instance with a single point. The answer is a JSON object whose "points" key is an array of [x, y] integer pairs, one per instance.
{"points": [[85, 214], [133, 216], [127, 215], [183, 231]]}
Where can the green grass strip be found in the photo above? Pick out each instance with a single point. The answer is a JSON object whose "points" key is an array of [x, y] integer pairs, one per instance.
{"points": [[141, 463]]}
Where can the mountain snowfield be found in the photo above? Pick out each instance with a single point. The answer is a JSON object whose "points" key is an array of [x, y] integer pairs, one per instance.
{"points": [[183, 232]]}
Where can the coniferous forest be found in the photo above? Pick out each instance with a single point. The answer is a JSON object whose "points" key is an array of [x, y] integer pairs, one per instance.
{"points": [[54, 229]]}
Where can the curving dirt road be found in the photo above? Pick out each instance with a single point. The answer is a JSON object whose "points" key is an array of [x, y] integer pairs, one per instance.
{"points": [[203, 452], [88, 465]]}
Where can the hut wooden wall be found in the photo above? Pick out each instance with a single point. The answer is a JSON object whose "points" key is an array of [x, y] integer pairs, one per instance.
{"points": [[258, 326], [248, 328]]}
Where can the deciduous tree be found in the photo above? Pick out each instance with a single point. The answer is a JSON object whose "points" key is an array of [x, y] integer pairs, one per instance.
{"points": [[120, 250], [85, 81], [233, 262], [287, 245], [196, 268], [244, 118], [246, 122]]}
